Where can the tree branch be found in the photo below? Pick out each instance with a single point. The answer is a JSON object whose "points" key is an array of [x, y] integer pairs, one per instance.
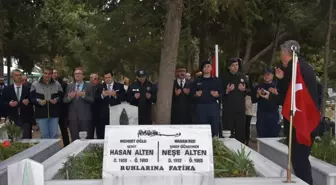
{"points": [[248, 64]]}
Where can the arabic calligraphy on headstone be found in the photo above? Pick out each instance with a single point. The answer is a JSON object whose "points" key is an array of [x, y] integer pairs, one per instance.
{"points": [[123, 117]]}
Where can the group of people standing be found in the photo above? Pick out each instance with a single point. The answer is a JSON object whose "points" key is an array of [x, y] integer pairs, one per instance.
{"points": [[80, 106], [204, 96], [84, 106]]}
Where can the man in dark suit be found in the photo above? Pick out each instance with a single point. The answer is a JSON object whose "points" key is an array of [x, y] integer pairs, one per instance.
{"points": [[110, 94], [96, 85], [62, 122], [181, 103], [79, 96], [3, 108], [20, 109]]}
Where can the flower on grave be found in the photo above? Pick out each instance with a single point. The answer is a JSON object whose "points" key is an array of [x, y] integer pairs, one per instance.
{"points": [[333, 142], [6, 144]]}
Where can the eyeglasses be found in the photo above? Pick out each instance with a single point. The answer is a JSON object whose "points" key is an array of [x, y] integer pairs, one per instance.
{"points": [[78, 73]]}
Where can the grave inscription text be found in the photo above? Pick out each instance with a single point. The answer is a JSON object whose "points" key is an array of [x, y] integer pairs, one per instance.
{"points": [[161, 149]]}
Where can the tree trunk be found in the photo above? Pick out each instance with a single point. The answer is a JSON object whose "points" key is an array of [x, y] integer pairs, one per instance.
{"points": [[1, 42], [168, 61], [9, 65], [275, 45], [1, 50], [203, 55], [248, 49], [239, 37], [189, 53], [326, 58]]}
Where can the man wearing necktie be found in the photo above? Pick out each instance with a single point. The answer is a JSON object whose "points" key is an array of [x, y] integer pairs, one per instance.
{"points": [[110, 94], [79, 97], [181, 103], [63, 111], [96, 85], [20, 109]]}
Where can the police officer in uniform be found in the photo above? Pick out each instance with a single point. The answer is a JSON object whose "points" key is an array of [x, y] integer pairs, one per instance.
{"points": [[142, 94], [207, 91], [268, 110], [234, 83]]}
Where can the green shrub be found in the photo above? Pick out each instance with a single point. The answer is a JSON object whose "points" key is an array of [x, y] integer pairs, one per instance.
{"points": [[323, 148], [88, 164]]}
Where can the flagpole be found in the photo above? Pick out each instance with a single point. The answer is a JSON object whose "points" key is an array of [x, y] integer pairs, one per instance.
{"points": [[216, 59], [294, 66]]}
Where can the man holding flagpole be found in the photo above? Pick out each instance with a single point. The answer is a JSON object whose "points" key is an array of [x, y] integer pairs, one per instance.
{"points": [[303, 113]]}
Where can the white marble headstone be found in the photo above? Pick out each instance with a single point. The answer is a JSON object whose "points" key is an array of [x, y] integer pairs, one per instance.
{"points": [[26, 172], [3, 132], [160, 154], [131, 111]]}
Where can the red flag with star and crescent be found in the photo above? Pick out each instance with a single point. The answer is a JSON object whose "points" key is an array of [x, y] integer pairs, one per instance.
{"points": [[306, 114]]}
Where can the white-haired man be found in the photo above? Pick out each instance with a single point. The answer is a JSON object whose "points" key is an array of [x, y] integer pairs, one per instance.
{"points": [[300, 152]]}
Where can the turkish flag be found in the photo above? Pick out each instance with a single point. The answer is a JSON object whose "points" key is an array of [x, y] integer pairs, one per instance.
{"points": [[306, 114], [213, 72]]}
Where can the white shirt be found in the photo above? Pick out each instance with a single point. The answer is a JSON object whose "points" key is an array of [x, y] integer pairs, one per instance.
{"points": [[110, 86], [179, 82], [126, 87], [20, 90]]}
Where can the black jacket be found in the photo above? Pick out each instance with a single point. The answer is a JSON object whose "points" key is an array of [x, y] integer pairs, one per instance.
{"points": [[144, 105], [267, 105], [41, 91], [3, 108], [136, 87], [106, 102], [26, 111], [309, 77], [181, 105], [63, 106], [206, 85], [234, 101]]}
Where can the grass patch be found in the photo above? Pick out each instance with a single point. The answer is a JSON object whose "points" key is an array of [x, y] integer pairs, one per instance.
{"points": [[14, 148], [88, 164]]}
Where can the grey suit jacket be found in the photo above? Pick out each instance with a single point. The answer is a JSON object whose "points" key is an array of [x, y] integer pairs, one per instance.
{"points": [[79, 108]]}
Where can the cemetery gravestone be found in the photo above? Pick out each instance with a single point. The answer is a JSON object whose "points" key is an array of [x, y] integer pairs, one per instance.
{"points": [[26, 172], [180, 155], [124, 114]]}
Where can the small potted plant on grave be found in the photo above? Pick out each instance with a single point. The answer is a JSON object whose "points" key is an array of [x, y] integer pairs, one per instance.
{"points": [[12, 145]]}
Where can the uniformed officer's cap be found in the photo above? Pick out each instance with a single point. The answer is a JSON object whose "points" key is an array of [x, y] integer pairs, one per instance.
{"points": [[268, 70], [141, 73], [204, 63]]}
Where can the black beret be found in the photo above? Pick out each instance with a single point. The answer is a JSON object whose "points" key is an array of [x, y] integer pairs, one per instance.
{"points": [[233, 60], [203, 64]]}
